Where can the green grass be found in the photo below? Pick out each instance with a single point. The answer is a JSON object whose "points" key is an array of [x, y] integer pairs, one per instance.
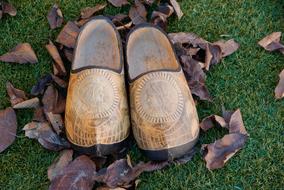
{"points": [[244, 80]]}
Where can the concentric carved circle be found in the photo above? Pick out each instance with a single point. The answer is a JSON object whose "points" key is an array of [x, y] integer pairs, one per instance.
{"points": [[97, 94], [158, 98]]}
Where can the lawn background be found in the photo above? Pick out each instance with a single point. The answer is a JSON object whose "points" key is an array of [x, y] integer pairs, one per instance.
{"points": [[244, 80]]}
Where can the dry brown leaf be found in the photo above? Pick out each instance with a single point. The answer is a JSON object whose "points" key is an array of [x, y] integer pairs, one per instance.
{"points": [[59, 65], [118, 19], [56, 121], [209, 122], [58, 165], [68, 35], [125, 26], [53, 101], [218, 153], [177, 8], [22, 53], [121, 173], [138, 13], [31, 103], [213, 55], [55, 17], [39, 115], [159, 19], [118, 3], [43, 132], [279, 90], [149, 2], [60, 82], [42, 83], [266, 41], [76, 175], [8, 128], [195, 77], [227, 47], [187, 38], [16, 95], [7, 8], [68, 54], [90, 11]]}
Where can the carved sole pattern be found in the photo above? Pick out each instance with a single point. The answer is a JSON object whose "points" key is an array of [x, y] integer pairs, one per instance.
{"points": [[95, 108], [163, 111]]}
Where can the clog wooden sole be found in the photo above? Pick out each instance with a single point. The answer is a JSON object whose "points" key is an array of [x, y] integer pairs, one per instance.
{"points": [[163, 114], [97, 118]]}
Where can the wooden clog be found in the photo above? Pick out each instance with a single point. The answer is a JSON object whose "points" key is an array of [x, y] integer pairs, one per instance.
{"points": [[163, 114], [97, 118]]}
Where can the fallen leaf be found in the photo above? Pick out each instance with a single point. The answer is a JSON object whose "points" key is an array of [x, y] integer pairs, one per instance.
{"points": [[125, 26], [187, 38], [149, 2], [60, 82], [279, 90], [43, 132], [39, 115], [195, 77], [268, 40], [210, 121], [55, 17], [16, 95], [68, 52], [213, 55], [159, 19], [138, 13], [31, 103], [22, 53], [53, 101], [68, 35], [56, 121], [177, 8], [121, 173], [227, 47], [8, 8], [90, 11], [8, 128], [118, 19], [42, 83], [59, 68], [76, 175], [219, 152], [118, 3], [58, 165]]}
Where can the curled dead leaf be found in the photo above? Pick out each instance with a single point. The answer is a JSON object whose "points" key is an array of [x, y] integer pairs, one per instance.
{"points": [[56, 121], [177, 8], [43, 132], [227, 47], [138, 13], [8, 128], [60, 82], [16, 95], [7, 8], [68, 35], [42, 83], [53, 101], [90, 11], [118, 3], [279, 90], [55, 17], [273, 38], [59, 68], [218, 153], [31, 103], [195, 77], [39, 115], [121, 173], [209, 122], [22, 53], [213, 55], [56, 168], [76, 175]]}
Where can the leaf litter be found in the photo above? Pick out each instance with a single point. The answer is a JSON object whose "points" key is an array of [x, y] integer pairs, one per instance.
{"points": [[48, 97]]}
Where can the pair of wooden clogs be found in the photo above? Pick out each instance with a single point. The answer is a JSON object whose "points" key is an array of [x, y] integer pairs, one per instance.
{"points": [[162, 112]]}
